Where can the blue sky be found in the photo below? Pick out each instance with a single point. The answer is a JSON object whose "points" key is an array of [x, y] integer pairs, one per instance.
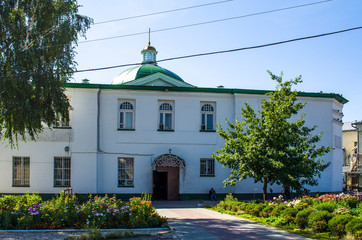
{"points": [[331, 64]]}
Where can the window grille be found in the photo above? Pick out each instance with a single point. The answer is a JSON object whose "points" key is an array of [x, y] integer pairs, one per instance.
{"points": [[166, 107], [62, 173], [207, 167], [125, 172], [126, 105], [21, 171], [207, 108]]}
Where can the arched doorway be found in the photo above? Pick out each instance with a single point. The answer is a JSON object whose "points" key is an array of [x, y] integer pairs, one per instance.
{"points": [[166, 176]]}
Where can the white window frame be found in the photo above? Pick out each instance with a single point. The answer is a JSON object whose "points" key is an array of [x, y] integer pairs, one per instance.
{"points": [[162, 113], [204, 112], [21, 173], [125, 172], [64, 170], [207, 167], [123, 112]]}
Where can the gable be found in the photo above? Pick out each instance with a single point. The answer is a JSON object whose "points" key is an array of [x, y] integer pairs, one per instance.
{"points": [[158, 79]]}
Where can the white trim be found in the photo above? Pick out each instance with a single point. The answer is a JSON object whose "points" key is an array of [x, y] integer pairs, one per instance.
{"points": [[124, 112], [162, 123], [203, 126], [150, 78]]}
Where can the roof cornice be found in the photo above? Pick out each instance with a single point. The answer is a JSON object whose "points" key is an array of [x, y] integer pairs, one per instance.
{"points": [[335, 96]]}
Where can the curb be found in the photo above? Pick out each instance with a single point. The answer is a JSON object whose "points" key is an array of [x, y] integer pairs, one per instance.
{"points": [[83, 230]]}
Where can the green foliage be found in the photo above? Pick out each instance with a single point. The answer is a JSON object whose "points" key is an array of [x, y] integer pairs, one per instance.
{"points": [[64, 211], [354, 226], [37, 49], [319, 216], [269, 147], [337, 224], [301, 218], [278, 210], [329, 206], [319, 226], [289, 212], [350, 201], [266, 211], [358, 235]]}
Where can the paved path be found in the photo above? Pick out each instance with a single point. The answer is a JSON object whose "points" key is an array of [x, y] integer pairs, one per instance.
{"points": [[191, 222]]}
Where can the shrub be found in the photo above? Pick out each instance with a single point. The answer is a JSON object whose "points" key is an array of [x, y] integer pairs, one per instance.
{"points": [[350, 201], [277, 210], [289, 212], [230, 198], [319, 226], [275, 221], [354, 225], [266, 211], [329, 206], [255, 212], [63, 211], [237, 206], [319, 216], [301, 218], [341, 211], [358, 235], [337, 224]]}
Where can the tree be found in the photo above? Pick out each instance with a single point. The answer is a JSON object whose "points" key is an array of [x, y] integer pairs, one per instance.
{"points": [[269, 147], [37, 47]]}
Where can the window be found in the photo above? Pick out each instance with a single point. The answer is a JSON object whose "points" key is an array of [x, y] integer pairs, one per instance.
{"points": [[125, 172], [21, 171], [126, 116], [61, 122], [166, 119], [62, 172], [208, 116], [207, 167]]}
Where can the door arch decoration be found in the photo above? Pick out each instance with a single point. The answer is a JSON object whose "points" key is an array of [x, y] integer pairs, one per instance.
{"points": [[168, 160]]}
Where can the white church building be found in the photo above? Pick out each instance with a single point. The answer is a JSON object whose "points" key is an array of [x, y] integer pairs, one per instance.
{"points": [[152, 132]]}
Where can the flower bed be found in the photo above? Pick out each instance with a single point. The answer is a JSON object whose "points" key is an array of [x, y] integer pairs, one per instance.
{"points": [[28, 211], [328, 216]]}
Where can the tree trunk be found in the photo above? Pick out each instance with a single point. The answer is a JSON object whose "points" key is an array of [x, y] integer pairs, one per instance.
{"points": [[265, 189]]}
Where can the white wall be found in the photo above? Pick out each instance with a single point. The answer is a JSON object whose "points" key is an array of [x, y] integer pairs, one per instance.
{"points": [[97, 172]]}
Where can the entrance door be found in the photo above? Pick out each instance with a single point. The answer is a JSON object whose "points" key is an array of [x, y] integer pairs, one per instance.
{"points": [[166, 183], [160, 185]]}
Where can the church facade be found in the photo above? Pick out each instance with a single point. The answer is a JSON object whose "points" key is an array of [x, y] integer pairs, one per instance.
{"points": [[151, 132]]}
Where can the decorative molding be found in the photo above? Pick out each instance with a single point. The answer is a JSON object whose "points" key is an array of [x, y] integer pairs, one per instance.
{"points": [[158, 77], [168, 160]]}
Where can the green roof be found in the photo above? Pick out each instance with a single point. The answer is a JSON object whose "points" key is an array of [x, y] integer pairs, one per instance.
{"points": [[142, 71], [336, 96]]}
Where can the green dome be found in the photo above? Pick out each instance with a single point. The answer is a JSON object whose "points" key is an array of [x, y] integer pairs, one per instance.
{"points": [[142, 71]]}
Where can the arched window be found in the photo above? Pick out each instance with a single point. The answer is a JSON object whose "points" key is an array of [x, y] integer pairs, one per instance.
{"points": [[126, 116], [166, 118], [207, 116]]}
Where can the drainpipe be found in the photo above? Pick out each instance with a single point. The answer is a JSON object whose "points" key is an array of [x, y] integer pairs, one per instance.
{"points": [[98, 137], [234, 106]]}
